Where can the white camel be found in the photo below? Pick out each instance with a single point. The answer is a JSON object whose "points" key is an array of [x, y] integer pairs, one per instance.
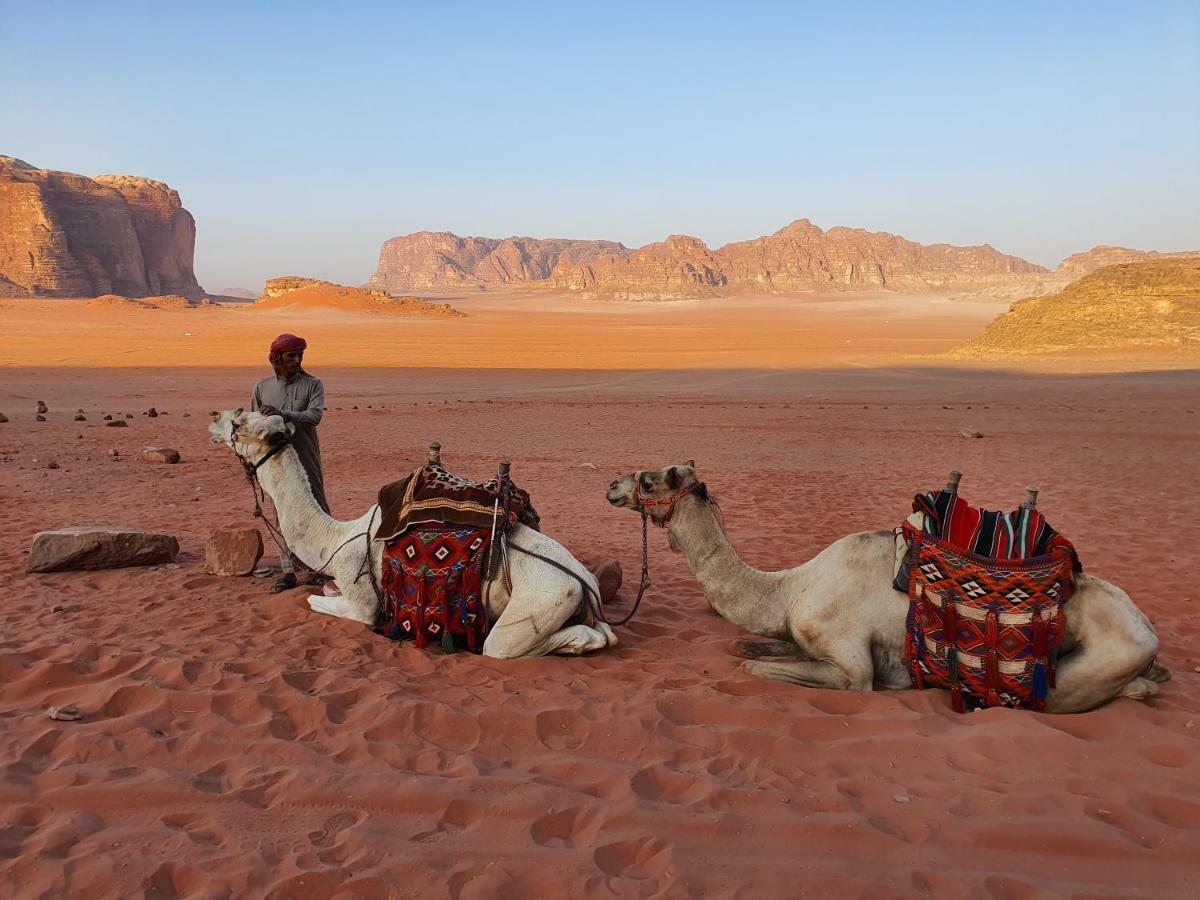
{"points": [[836, 622], [529, 621]]}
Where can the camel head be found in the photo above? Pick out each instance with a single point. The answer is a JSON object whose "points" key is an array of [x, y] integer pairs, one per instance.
{"points": [[251, 434], [657, 490]]}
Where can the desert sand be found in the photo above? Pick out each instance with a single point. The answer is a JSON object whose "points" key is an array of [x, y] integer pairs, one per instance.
{"points": [[235, 744]]}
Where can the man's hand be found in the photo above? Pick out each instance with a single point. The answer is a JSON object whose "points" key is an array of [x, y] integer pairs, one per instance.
{"points": [[267, 410]]}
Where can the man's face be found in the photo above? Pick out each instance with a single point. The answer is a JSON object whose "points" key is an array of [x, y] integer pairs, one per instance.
{"points": [[289, 362]]}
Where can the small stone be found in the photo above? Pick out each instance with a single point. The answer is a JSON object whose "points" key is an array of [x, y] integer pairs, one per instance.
{"points": [[1190, 723], [129, 415], [64, 713], [166, 455], [42, 408], [152, 413], [114, 453], [117, 423], [107, 417], [52, 465], [40, 418], [3, 418], [57, 608], [80, 417], [187, 415], [971, 433], [233, 551], [591, 466], [902, 798]]}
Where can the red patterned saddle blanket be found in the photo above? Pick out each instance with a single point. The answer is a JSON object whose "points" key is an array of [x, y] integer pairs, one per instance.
{"points": [[433, 587], [986, 627]]}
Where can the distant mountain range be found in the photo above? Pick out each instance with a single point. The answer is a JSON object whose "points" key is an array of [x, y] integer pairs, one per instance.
{"points": [[799, 257]]}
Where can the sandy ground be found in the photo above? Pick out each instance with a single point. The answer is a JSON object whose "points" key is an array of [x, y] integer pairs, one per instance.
{"points": [[235, 744], [506, 331]]}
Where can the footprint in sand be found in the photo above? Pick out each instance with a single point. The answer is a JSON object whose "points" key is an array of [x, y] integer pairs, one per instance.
{"points": [[333, 828], [198, 829], [458, 815], [657, 782], [561, 729], [644, 858], [574, 827]]}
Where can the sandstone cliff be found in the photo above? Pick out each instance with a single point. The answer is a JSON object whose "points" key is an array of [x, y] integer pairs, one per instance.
{"points": [[799, 257], [1080, 264], [66, 235], [295, 292], [1149, 304], [441, 261]]}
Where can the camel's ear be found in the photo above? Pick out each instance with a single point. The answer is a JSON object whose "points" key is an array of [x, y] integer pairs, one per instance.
{"points": [[691, 464], [673, 478]]}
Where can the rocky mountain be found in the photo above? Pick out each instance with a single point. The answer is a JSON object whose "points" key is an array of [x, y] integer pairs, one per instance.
{"points": [[1150, 304], [66, 235], [441, 261], [299, 294], [799, 257], [1089, 261]]}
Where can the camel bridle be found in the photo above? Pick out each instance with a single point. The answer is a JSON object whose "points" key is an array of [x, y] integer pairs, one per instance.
{"points": [[256, 491], [645, 504]]}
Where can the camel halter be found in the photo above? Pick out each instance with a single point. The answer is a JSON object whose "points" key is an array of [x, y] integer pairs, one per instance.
{"points": [[641, 503], [257, 492]]}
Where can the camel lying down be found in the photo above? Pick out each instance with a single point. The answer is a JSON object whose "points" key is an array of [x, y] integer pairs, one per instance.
{"points": [[531, 620], [836, 622]]}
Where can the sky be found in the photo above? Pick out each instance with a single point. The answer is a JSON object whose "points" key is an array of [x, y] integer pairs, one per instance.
{"points": [[301, 136]]}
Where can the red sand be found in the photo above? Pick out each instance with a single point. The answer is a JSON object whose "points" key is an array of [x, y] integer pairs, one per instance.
{"points": [[235, 744]]}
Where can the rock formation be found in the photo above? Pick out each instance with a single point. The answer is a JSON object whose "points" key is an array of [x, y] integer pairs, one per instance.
{"points": [[65, 235], [1149, 304], [1089, 261], [99, 547], [799, 257], [312, 293], [441, 261]]}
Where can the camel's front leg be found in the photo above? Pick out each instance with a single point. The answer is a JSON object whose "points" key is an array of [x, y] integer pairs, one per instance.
{"points": [[358, 604], [532, 625], [768, 649], [814, 673]]}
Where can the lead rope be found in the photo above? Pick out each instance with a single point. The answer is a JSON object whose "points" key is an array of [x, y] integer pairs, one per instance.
{"points": [[645, 580]]}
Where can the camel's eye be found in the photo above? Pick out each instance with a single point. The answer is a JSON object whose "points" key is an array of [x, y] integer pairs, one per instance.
{"points": [[646, 482]]}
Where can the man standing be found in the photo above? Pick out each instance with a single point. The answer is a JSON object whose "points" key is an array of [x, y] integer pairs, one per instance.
{"points": [[300, 399]]}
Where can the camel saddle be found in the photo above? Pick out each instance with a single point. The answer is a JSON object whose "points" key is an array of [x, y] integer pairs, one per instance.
{"points": [[986, 595], [433, 496]]}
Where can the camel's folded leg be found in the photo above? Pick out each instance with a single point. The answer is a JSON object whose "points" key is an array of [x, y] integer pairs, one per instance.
{"points": [[517, 643], [343, 607], [814, 673], [768, 649]]}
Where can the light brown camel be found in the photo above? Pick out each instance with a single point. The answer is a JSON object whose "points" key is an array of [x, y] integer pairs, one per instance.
{"points": [[531, 620], [836, 622]]}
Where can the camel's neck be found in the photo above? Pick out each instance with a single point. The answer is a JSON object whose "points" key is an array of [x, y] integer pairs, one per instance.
{"points": [[310, 532], [735, 591]]}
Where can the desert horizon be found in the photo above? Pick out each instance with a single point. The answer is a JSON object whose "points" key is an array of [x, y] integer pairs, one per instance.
{"points": [[723, 451]]}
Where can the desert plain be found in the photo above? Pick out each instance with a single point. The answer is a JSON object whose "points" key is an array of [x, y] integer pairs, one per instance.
{"points": [[233, 743]]}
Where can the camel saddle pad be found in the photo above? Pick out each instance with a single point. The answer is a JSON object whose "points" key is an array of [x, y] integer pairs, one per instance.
{"points": [[432, 587], [431, 495], [986, 629]]}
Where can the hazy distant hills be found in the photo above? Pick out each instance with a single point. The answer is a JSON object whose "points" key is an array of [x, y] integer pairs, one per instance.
{"points": [[798, 257]]}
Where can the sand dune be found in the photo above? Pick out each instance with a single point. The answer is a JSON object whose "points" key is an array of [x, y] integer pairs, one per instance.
{"points": [[234, 744]]}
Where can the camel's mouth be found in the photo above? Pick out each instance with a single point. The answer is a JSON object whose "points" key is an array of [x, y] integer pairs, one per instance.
{"points": [[619, 494]]}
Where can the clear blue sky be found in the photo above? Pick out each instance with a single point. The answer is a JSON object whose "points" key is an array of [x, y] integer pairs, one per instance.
{"points": [[302, 135]]}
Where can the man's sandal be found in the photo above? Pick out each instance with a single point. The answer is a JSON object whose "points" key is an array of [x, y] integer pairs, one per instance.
{"points": [[286, 582]]}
